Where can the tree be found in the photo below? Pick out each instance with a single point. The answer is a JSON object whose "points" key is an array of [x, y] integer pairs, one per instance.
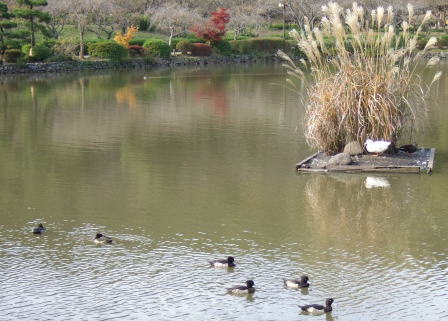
{"points": [[58, 11], [215, 28], [33, 16], [124, 38], [244, 17], [5, 25], [174, 19], [80, 15], [125, 12], [102, 23]]}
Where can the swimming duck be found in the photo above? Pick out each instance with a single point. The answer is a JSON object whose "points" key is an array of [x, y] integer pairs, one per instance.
{"points": [[39, 229], [297, 283], [102, 239], [241, 289], [378, 147], [317, 308], [223, 262]]}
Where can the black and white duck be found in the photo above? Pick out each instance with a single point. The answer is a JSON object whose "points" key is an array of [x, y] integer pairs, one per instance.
{"points": [[223, 263], [102, 239], [39, 229], [297, 283], [317, 308], [243, 289]]}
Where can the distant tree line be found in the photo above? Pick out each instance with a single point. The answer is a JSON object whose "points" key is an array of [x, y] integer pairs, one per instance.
{"points": [[22, 20]]}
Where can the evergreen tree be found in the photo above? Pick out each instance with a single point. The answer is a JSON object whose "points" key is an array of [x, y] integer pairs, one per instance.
{"points": [[34, 17], [5, 25]]}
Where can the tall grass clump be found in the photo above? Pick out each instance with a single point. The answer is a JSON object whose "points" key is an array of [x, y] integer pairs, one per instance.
{"points": [[367, 84]]}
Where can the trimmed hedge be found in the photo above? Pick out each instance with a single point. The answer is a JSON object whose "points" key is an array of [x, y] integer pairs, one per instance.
{"points": [[157, 48], [12, 55], [39, 53], [107, 50], [201, 49], [175, 41], [240, 37], [184, 46], [135, 51], [442, 41], [421, 42], [223, 47], [137, 42]]}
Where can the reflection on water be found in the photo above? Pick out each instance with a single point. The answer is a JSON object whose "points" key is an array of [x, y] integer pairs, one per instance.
{"points": [[191, 165], [377, 182]]}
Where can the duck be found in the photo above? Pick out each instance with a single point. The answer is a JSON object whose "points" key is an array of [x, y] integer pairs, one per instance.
{"points": [[241, 289], [297, 283], [39, 229], [229, 262], [409, 148], [102, 239], [317, 308], [378, 146]]}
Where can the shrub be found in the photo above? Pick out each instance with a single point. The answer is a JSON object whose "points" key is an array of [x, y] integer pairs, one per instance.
{"points": [[175, 41], [67, 47], [421, 42], [184, 46], [442, 41], [124, 38], [107, 50], [191, 36], [201, 49], [215, 28], [240, 37], [13, 44], [157, 48], [136, 42], [136, 51], [143, 23], [39, 53], [223, 47], [12, 55], [352, 96], [48, 43]]}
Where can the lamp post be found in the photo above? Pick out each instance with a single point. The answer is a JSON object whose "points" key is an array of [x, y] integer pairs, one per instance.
{"points": [[283, 5]]}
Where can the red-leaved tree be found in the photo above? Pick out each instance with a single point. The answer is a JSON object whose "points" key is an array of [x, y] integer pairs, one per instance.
{"points": [[215, 28]]}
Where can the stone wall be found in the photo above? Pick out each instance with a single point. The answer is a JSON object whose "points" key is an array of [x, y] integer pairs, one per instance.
{"points": [[128, 64]]}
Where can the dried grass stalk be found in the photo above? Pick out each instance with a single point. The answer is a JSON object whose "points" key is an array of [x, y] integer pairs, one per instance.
{"points": [[369, 88]]}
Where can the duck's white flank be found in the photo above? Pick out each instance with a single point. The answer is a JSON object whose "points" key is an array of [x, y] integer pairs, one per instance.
{"points": [[378, 146]]}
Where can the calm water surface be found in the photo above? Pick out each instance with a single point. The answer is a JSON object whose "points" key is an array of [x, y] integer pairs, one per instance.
{"points": [[185, 166]]}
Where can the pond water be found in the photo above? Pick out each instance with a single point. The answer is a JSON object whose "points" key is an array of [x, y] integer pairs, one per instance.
{"points": [[180, 167]]}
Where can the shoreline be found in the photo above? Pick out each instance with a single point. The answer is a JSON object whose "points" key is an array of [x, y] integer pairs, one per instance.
{"points": [[76, 66], [138, 63]]}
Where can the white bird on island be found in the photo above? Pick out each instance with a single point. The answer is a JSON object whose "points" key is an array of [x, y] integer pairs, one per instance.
{"points": [[378, 146]]}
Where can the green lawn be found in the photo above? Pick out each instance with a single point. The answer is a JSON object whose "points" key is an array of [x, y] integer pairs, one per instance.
{"points": [[71, 32]]}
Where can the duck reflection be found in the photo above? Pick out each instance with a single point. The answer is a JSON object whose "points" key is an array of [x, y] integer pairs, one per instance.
{"points": [[376, 182], [304, 291], [343, 208]]}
